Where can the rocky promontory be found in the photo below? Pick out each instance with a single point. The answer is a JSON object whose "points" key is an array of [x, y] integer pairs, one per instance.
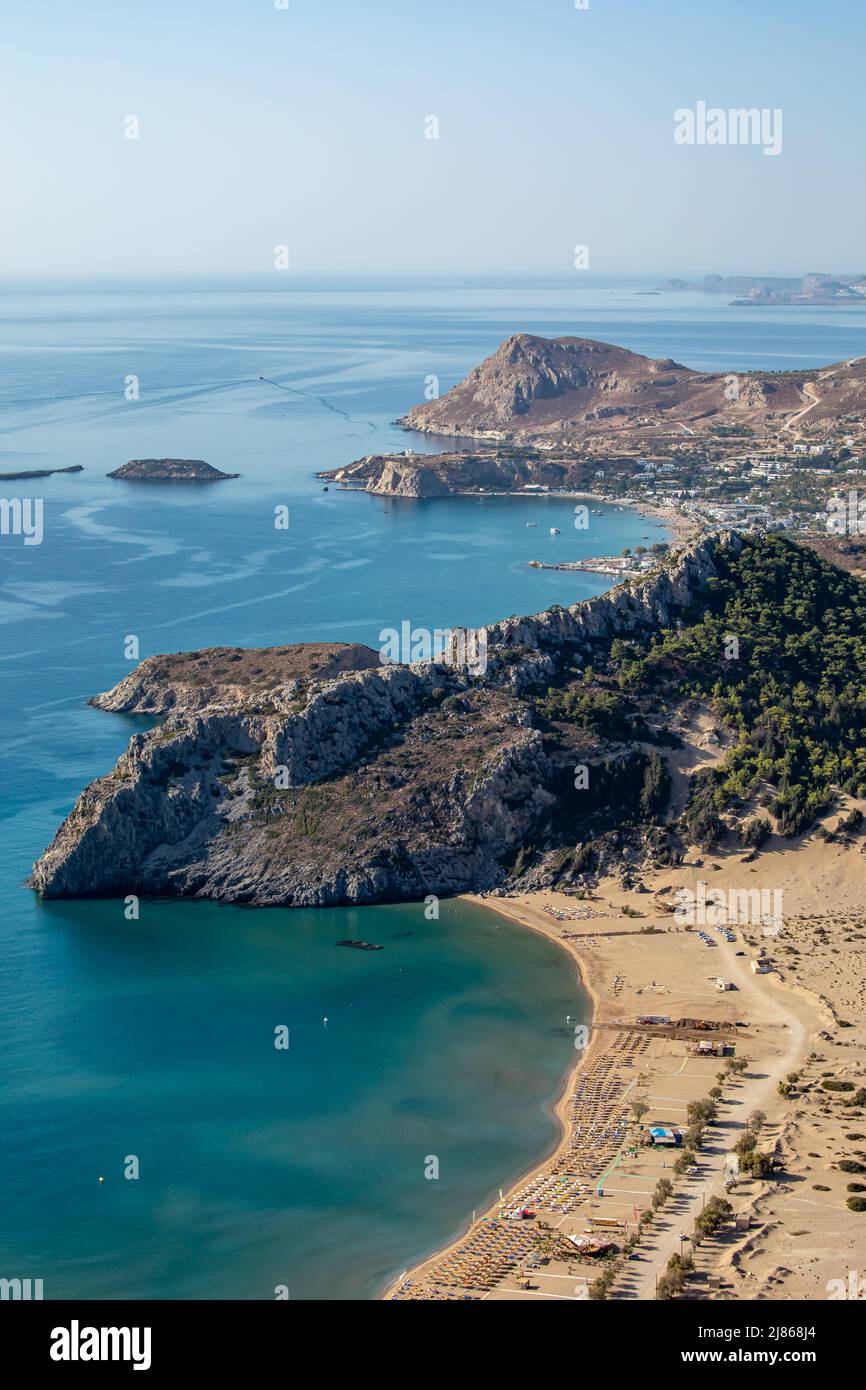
{"points": [[460, 471], [303, 776], [170, 471], [231, 677]]}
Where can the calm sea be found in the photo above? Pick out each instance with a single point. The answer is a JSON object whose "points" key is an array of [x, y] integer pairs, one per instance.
{"points": [[154, 1039]]}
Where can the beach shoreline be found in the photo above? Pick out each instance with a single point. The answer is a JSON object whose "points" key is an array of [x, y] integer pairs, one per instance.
{"points": [[781, 1017], [582, 969], [682, 528]]}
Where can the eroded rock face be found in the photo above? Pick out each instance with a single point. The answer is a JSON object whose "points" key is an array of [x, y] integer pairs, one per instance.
{"points": [[310, 776]]}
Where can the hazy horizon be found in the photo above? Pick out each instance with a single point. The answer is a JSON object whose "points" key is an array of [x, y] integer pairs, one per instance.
{"points": [[428, 142], [366, 279]]}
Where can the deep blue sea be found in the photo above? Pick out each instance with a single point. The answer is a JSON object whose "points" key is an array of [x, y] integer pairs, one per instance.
{"points": [[155, 1039]]}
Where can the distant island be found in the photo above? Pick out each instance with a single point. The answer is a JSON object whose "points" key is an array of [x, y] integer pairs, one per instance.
{"points": [[170, 471], [815, 288], [39, 472]]}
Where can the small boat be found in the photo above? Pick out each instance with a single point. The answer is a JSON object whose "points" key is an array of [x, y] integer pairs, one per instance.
{"points": [[532, 523], [554, 530], [360, 945]]}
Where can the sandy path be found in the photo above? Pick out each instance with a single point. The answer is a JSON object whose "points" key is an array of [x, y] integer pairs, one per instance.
{"points": [[813, 401], [757, 1093]]}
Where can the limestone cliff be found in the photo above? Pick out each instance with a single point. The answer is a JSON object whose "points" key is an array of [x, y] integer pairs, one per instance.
{"points": [[458, 471]]}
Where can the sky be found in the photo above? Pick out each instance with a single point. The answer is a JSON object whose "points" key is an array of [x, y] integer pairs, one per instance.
{"points": [[307, 128]]}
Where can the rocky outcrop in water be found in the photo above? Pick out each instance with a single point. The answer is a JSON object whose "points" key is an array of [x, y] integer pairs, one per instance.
{"points": [[22, 473], [170, 471]]}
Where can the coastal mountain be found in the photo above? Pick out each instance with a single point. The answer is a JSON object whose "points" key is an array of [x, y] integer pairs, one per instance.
{"points": [[170, 471], [544, 383], [305, 777], [567, 389]]}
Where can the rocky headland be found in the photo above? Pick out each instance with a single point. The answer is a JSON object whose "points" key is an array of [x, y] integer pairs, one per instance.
{"points": [[601, 738], [455, 472], [310, 776]]}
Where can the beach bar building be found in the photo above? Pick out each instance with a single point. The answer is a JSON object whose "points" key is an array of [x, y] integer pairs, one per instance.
{"points": [[663, 1137], [712, 1048]]}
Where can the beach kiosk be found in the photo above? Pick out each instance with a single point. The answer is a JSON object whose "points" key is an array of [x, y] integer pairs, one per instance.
{"points": [[663, 1137]]}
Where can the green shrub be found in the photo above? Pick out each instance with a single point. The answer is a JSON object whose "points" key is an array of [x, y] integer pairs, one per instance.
{"points": [[756, 831]]}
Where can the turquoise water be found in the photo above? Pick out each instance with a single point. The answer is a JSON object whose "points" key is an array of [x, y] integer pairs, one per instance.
{"points": [[155, 1038], [262, 1167]]}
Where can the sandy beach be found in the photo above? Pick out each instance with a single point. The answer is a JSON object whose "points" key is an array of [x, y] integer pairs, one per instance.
{"points": [[790, 1235], [682, 527]]}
